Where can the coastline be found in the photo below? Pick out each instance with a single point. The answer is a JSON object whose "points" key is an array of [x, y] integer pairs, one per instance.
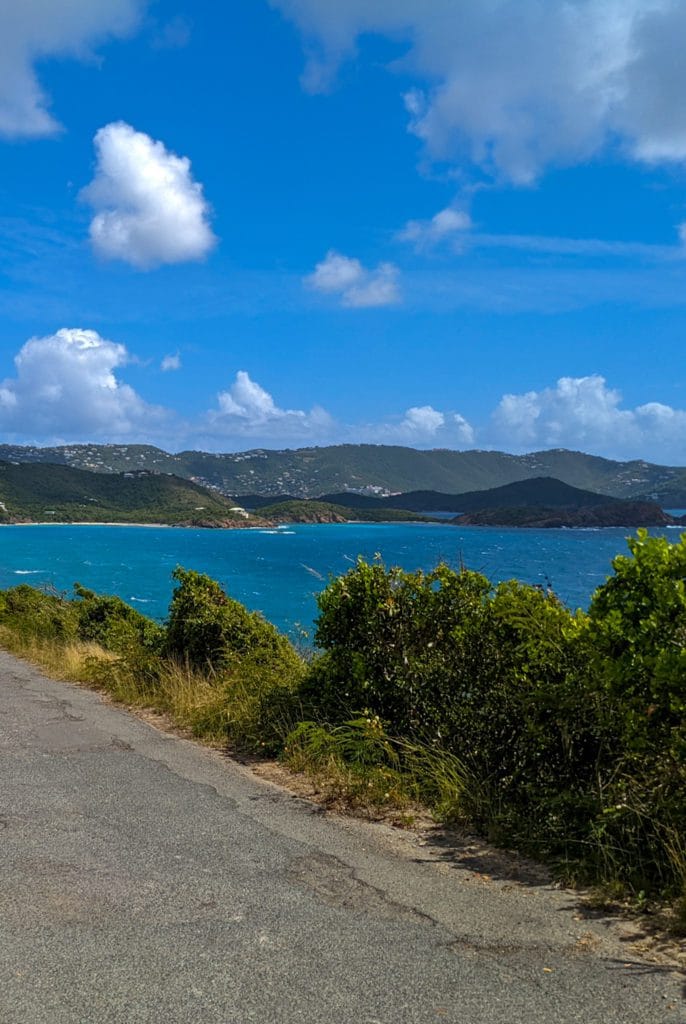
{"points": [[263, 526], [85, 523]]}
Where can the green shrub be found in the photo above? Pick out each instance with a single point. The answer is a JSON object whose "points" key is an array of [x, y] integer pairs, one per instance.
{"points": [[636, 644], [113, 624], [541, 727], [211, 631], [568, 729], [36, 614], [398, 644], [439, 657], [637, 641]]}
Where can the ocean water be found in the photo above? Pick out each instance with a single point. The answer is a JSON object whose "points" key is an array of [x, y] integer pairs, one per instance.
{"points": [[279, 572]]}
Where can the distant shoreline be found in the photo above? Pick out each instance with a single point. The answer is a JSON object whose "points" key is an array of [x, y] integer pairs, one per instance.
{"points": [[59, 523], [280, 527], [261, 528]]}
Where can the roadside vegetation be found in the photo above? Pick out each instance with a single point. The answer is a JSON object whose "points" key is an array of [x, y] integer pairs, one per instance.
{"points": [[562, 734]]}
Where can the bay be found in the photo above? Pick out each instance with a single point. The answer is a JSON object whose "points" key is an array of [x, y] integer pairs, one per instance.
{"points": [[279, 572]]}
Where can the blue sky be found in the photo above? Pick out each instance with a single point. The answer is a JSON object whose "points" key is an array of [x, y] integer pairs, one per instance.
{"points": [[275, 223]]}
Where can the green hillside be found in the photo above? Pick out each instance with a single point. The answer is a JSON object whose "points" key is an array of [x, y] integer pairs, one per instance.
{"points": [[370, 469], [540, 491], [49, 493], [620, 513]]}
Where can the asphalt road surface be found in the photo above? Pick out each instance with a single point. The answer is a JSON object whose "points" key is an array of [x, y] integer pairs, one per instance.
{"points": [[146, 879]]}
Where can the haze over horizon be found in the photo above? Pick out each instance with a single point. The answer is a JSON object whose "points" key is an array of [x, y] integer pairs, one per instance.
{"points": [[283, 223]]}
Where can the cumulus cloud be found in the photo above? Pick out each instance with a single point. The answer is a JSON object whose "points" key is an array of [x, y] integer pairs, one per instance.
{"points": [[356, 286], [448, 223], [66, 387], [148, 208], [423, 420], [514, 86], [33, 30], [463, 430], [578, 413], [584, 413], [419, 426], [172, 362], [249, 401], [246, 409]]}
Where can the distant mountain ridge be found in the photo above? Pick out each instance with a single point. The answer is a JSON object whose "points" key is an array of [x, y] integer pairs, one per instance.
{"points": [[379, 470]]}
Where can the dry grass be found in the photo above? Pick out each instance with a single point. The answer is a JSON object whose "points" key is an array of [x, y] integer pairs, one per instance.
{"points": [[248, 706], [75, 661], [193, 700]]}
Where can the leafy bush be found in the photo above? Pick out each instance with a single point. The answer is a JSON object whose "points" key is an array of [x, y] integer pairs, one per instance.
{"points": [[113, 624], [637, 640], [210, 631], [568, 729], [541, 728], [36, 614], [441, 658], [636, 644], [394, 639]]}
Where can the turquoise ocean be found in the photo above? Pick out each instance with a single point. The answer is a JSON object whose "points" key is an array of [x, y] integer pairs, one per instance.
{"points": [[279, 572]]}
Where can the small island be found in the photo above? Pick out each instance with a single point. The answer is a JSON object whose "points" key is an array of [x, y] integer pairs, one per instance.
{"points": [[617, 514]]}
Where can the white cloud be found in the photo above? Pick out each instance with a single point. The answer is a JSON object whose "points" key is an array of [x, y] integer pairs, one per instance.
{"points": [[378, 287], [336, 273], [149, 210], [423, 420], [356, 286], [171, 362], [419, 426], [584, 413], [515, 86], [447, 223], [33, 30], [250, 402], [577, 413], [246, 409], [65, 387], [464, 431]]}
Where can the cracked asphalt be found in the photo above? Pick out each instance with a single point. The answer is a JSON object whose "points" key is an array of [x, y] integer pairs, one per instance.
{"points": [[146, 879]]}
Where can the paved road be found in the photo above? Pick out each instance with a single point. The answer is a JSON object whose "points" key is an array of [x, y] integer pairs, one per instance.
{"points": [[144, 879]]}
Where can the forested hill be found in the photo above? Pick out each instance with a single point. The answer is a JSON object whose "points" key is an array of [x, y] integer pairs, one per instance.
{"points": [[371, 469], [49, 493], [537, 492]]}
